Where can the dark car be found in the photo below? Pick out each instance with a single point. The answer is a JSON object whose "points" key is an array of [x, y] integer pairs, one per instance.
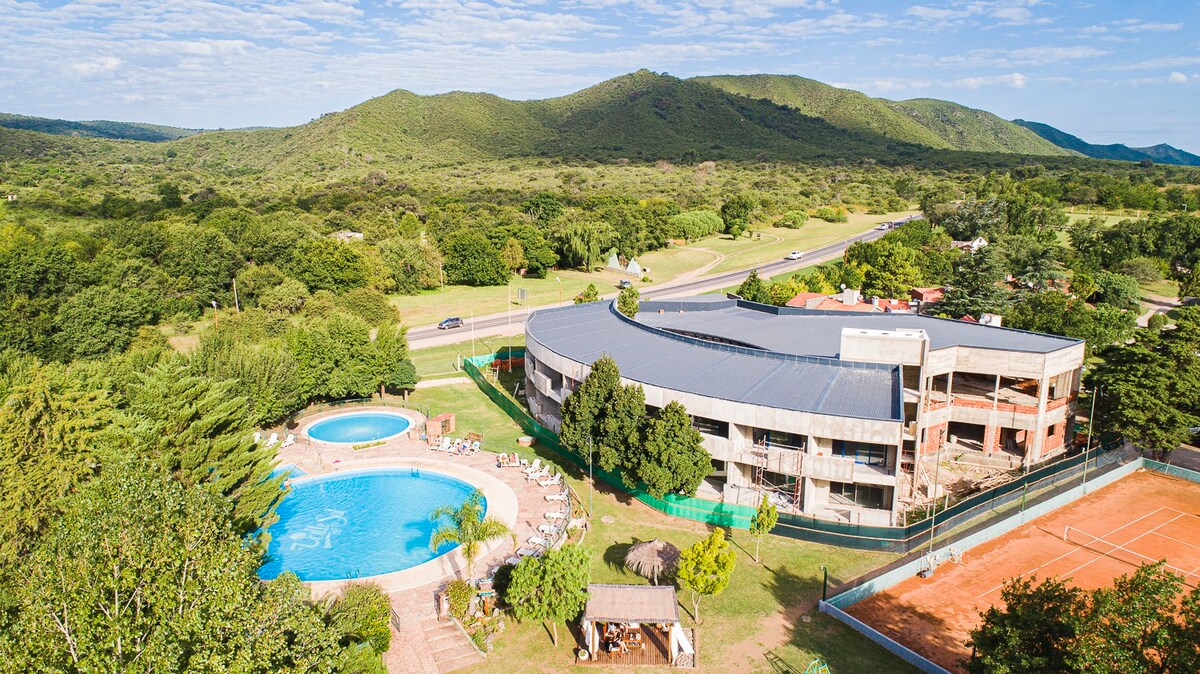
{"points": [[624, 283], [454, 322]]}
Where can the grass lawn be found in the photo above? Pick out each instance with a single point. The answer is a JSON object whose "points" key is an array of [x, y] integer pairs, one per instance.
{"points": [[1165, 288], [439, 362], [764, 609]]}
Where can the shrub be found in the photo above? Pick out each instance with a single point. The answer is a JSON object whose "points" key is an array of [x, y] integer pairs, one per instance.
{"points": [[370, 305], [460, 593], [831, 214], [1157, 322], [694, 225], [793, 220], [362, 614], [1144, 269]]}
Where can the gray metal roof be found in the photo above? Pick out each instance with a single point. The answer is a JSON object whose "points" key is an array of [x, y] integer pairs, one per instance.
{"points": [[649, 355], [818, 333]]}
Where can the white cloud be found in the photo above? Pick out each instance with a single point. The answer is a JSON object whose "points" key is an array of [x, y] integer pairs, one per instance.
{"points": [[95, 66], [1177, 77]]}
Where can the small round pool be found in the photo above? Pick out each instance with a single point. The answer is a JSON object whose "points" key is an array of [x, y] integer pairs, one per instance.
{"points": [[354, 427], [360, 523]]}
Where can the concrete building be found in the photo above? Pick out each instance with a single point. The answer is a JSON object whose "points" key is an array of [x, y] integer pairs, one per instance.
{"points": [[832, 413]]}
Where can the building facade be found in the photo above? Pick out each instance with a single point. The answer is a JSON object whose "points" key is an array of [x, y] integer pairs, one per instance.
{"points": [[832, 413]]}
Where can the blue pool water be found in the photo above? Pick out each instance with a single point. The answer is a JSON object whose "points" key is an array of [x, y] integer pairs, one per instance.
{"points": [[288, 470], [358, 427], [362, 523]]}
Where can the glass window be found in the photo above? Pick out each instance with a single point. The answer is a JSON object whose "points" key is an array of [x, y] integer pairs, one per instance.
{"points": [[862, 452], [711, 426], [861, 495]]}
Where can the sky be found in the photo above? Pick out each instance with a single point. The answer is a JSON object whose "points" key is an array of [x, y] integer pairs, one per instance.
{"points": [[1106, 70]]}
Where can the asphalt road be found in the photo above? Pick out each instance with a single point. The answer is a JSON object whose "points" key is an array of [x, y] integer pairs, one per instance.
{"points": [[505, 323]]}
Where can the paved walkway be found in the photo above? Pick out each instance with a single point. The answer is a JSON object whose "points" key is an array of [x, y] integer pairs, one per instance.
{"points": [[421, 644]]}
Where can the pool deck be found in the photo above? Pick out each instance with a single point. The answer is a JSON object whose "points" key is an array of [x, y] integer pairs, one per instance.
{"points": [[519, 503]]}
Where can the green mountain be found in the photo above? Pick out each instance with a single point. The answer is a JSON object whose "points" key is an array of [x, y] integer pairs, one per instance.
{"points": [[95, 129], [928, 122], [1163, 154]]}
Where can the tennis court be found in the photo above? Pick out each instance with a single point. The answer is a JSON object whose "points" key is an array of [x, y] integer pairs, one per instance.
{"points": [[1142, 518]]}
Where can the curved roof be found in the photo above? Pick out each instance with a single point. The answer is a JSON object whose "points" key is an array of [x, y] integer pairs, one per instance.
{"points": [[653, 356]]}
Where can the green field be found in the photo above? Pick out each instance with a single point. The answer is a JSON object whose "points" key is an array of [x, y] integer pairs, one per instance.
{"points": [[762, 610], [439, 362]]}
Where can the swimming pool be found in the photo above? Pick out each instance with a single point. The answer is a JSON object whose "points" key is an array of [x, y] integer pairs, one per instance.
{"points": [[353, 427], [359, 523]]}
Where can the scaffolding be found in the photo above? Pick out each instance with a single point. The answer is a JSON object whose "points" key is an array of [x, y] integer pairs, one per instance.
{"points": [[787, 496]]}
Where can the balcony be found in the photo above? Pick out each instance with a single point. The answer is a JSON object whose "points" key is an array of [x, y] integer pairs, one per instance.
{"points": [[832, 468]]}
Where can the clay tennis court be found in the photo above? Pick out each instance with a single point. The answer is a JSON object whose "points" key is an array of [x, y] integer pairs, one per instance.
{"points": [[1141, 518]]}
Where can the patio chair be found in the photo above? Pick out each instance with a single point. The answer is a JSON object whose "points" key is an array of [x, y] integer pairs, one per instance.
{"points": [[513, 561], [257, 437], [474, 447], [533, 467], [526, 552], [548, 529], [288, 441], [538, 540], [560, 496], [443, 446], [556, 516], [273, 440], [540, 475], [550, 481]]}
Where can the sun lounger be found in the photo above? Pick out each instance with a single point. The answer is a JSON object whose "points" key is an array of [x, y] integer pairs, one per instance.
{"points": [[273, 440], [556, 516], [513, 561], [537, 540], [533, 467], [548, 529], [560, 496], [540, 475], [550, 481], [257, 437], [526, 552], [474, 447], [288, 441]]}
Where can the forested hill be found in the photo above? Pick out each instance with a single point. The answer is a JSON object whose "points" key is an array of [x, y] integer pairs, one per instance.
{"points": [[95, 129], [929, 122], [1162, 153]]}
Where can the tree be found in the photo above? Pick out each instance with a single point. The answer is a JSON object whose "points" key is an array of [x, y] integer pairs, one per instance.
{"points": [[414, 264], [1118, 290], [763, 522], [627, 301], [468, 528], [543, 208], [831, 214], [735, 212], [706, 568], [99, 321], [672, 457], [589, 294], [362, 614], [753, 289], [889, 269], [287, 297], [975, 286], [328, 264], [1033, 632], [1058, 313], [580, 242], [392, 366], [142, 573], [513, 254], [792, 220], [472, 260], [694, 225], [604, 417], [201, 260], [551, 587]]}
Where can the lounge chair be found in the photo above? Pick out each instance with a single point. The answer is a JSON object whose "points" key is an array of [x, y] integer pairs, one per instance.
{"points": [[556, 516], [257, 437], [273, 440], [474, 447], [513, 561], [443, 446], [548, 529], [538, 541], [560, 496], [550, 481], [458, 445], [533, 467], [288, 441], [526, 552]]}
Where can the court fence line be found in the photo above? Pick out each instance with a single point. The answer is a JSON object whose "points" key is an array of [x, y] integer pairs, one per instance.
{"points": [[894, 647], [1172, 471], [899, 539]]}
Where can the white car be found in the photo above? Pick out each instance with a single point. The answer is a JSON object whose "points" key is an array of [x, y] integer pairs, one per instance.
{"points": [[794, 255], [884, 227]]}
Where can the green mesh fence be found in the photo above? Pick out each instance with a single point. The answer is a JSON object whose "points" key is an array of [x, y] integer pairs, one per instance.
{"points": [[1174, 471], [801, 527]]}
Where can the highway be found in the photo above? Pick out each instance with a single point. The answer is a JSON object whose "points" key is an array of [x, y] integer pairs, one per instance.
{"points": [[510, 323]]}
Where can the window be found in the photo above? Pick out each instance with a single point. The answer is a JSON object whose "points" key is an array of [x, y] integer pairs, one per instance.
{"points": [[861, 495], [778, 439], [862, 452], [711, 426]]}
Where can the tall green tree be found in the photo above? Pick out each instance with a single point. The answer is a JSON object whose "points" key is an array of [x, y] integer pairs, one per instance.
{"points": [[627, 301], [603, 416], [472, 260], [581, 242], [975, 286], [765, 519], [200, 431], [329, 264], [552, 587], [706, 568], [414, 264], [468, 527], [672, 458], [753, 289], [99, 321], [1033, 631]]}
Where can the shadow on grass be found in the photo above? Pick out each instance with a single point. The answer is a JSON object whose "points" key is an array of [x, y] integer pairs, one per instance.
{"points": [[614, 555]]}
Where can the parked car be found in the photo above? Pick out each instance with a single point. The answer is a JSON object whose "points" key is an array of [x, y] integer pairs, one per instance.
{"points": [[453, 322], [624, 283], [884, 227], [794, 255]]}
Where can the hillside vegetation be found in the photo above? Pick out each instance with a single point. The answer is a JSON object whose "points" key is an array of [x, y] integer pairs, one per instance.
{"points": [[96, 128], [928, 122], [1161, 153]]}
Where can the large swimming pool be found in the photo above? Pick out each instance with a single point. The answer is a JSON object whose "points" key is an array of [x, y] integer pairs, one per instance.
{"points": [[359, 523], [353, 427]]}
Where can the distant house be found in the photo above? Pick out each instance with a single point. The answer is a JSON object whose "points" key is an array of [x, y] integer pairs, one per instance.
{"points": [[927, 295], [346, 236], [848, 300], [972, 245]]}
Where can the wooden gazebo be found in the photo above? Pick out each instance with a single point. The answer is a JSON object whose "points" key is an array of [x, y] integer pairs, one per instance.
{"points": [[633, 625]]}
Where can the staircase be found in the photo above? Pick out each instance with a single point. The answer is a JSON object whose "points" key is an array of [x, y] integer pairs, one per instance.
{"points": [[422, 644]]}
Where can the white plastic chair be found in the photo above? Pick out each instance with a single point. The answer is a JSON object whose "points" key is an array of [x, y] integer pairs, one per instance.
{"points": [[561, 496], [537, 540], [548, 529], [550, 481], [288, 441], [533, 467], [273, 440], [555, 516], [257, 437]]}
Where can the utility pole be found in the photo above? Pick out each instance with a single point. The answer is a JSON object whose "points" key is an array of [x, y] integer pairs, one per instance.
{"points": [[1088, 447], [236, 304]]}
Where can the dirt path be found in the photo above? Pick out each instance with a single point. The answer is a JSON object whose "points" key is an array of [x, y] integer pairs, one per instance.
{"points": [[1155, 304], [773, 632]]}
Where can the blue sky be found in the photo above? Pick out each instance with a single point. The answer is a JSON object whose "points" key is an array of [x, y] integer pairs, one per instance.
{"points": [[1106, 71]]}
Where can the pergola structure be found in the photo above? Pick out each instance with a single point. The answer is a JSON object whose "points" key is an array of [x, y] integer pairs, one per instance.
{"points": [[633, 624]]}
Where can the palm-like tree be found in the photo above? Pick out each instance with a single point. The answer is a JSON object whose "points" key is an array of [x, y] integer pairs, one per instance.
{"points": [[468, 527]]}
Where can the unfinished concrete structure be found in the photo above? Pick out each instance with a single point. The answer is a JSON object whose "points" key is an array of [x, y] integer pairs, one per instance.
{"points": [[831, 413]]}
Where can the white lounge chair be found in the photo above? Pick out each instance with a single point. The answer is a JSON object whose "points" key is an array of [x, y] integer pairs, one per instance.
{"points": [[556, 516], [550, 481], [560, 496], [540, 475], [526, 552], [533, 467], [513, 561], [548, 529], [288, 441], [257, 437], [443, 446], [273, 440], [538, 541]]}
